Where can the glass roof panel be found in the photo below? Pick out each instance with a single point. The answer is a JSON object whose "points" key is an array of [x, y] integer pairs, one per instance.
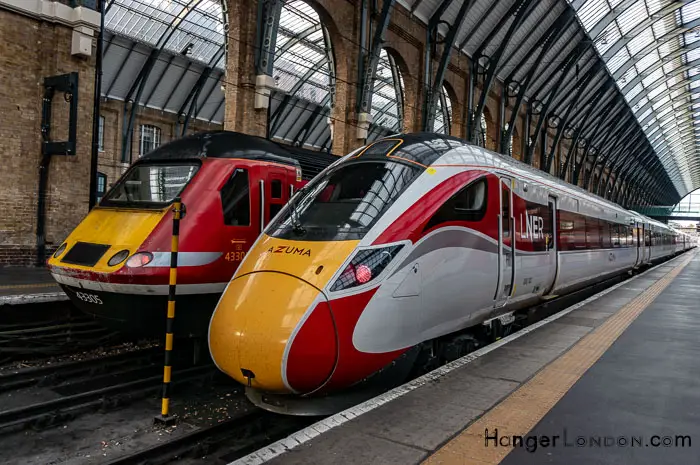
{"points": [[650, 34], [632, 16], [387, 95]]}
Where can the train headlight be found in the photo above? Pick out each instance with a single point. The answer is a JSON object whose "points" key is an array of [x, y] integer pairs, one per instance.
{"points": [[60, 250], [118, 257], [139, 259], [365, 266]]}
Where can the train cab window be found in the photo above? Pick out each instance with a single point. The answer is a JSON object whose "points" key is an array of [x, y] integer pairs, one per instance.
{"points": [[276, 189], [235, 199], [468, 204], [345, 202]]}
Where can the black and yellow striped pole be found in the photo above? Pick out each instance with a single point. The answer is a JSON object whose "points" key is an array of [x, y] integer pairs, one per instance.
{"points": [[165, 416]]}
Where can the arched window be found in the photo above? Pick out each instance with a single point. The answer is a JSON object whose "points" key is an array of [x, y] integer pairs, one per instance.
{"points": [[387, 99], [443, 117]]}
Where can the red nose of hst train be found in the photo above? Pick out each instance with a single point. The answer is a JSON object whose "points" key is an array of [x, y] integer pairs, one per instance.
{"points": [[273, 328]]}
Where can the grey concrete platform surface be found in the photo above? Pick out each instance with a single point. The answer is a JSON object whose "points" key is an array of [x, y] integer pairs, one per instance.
{"points": [[20, 285], [643, 393], [647, 384]]}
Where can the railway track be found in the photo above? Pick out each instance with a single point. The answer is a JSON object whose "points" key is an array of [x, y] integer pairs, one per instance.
{"points": [[49, 413], [229, 440], [54, 374]]}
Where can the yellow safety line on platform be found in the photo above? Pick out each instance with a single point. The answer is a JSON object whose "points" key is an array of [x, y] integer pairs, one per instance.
{"points": [[518, 413], [25, 286]]}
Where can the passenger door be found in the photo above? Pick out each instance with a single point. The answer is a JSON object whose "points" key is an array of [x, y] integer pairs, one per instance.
{"points": [[551, 244], [506, 251], [276, 193], [240, 228]]}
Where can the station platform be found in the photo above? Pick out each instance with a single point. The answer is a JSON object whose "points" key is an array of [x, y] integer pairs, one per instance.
{"points": [[28, 285], [612, 379]]}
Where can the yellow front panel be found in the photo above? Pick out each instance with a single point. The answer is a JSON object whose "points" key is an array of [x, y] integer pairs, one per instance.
{"points": [[119, 228], [298, 258], [252, 324]]}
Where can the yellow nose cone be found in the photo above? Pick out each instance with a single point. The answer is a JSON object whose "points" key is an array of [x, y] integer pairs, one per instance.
{"points": [[252, 324]]}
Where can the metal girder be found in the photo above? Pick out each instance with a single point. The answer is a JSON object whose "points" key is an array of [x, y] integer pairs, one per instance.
{"points": [[519, 10], [583, 85], [578, 166], [570, 60], [516, 49], [266, 35], [629, 151], [398, 90], [368, 62], [296, 38], [595, 97], [481, 20], [434, 90], [565, 95], [307, 127], [614, 135], [191, 101], [544, 43], [140, 82], [121, 68]]}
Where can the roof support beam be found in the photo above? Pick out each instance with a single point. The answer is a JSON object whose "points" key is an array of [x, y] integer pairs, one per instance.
{"points": [[572, 58], [565, 120], [140, 82], [518, 11], [614, 132], [578, 166], [617, 158], [367, 68], [434, 90], [579, 132], [544, 44], [266, 35]]}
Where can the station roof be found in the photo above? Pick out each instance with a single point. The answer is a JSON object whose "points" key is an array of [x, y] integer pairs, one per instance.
{"points": [[618, 76], [649, 58]]}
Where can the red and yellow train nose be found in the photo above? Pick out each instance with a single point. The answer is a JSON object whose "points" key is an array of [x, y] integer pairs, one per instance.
{"points": [[273, 328]]}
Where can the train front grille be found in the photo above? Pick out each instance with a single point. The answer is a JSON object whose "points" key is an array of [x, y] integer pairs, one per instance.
{"points": [[85, 254]]}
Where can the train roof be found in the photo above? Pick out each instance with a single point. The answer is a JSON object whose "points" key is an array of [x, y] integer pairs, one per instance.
{"points": [[231, 144]]}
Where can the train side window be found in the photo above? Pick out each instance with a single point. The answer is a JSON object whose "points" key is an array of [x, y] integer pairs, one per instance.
{"points": [[505, 213], [614, 239], [566, 230], [235, 199], [275, 190], [468, 204], [605, 234]]}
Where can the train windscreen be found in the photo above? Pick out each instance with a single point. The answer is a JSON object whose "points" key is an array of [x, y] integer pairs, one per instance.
{"points": [[150, 185], [344, 203]]}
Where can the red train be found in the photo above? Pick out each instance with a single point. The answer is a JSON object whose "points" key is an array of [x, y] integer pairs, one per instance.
{"points": [[115, 264]]}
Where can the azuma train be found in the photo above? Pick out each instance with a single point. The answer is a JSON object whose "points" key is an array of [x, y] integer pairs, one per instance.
{"points": [[115, 265], [397, 254]]}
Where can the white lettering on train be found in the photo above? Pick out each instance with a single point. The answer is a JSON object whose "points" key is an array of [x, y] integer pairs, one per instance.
{"points": [[534, 227]]}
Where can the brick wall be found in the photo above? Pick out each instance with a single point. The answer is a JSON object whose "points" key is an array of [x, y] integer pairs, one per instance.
{"points": [[29, 51]]}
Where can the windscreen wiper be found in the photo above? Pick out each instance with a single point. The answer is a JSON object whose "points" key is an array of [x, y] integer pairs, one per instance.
{"points": [[297, 228]]}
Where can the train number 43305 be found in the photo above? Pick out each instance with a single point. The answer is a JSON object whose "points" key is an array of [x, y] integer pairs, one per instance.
{"points": [[91, 298], [234, 256]]}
